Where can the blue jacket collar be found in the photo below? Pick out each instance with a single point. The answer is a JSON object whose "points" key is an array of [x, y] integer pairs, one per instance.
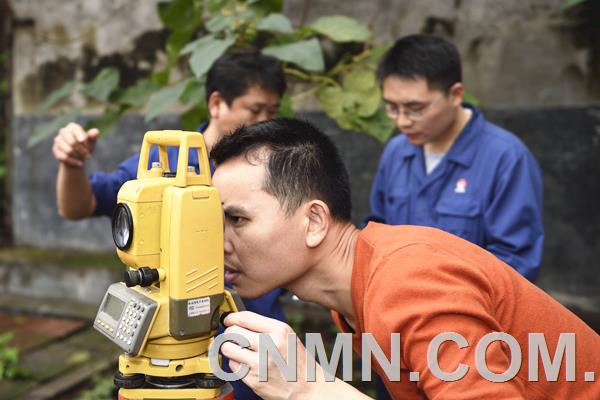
{"points": [[202, 127], [462, 151]]}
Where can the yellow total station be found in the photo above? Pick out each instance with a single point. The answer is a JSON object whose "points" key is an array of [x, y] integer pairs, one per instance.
{"points": [[168, 229]]}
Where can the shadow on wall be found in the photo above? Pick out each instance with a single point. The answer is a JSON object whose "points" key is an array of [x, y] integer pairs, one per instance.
{"points": [[5, 63], [566, 143]]}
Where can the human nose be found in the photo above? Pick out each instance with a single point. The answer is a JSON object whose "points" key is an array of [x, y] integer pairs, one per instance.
{"points": [[227, 244], [228, 247], [402, 121], [264, 115]]}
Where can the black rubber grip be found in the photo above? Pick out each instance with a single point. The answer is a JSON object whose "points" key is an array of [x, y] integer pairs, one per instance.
{"points": [[223, 316]]}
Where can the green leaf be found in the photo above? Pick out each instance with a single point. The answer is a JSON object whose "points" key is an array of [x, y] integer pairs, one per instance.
{"points": [[194, 93], [246, 16], [138, 94], [165, 98], [175, 42], [107, 122], [571, 3], [306, 54], [340, 28], [5, 338], [285, 107], [218, 23], [354, 111], [375, 55], [51, 128], [181, 15], [103, 84], [329, 98], [161, 77], [10, 355], [275, 23], [362, 104], [196, 44], [59, 94], [265, 7], [204, 57], [362, 95], [214, 6], [379, 126], [360, 79], [192, 118]]}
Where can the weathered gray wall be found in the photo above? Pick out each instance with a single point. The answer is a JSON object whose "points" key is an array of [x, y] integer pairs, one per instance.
{"points": [[534, 68], [35, 219], [57, 41], [516, 53], [566, 142]]}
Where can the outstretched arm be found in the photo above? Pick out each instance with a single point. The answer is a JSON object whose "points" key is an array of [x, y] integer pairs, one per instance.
{"points": [[74, 196]]}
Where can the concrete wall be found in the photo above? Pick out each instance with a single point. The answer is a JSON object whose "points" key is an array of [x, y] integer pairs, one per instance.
{"points": [[521, 54], [566, 142], [529, 63], [515, 53], [57, 41]]}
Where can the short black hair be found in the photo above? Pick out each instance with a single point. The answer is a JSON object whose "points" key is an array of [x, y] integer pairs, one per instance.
{"points": [[422, 56], [302, 163], [233, 74]]}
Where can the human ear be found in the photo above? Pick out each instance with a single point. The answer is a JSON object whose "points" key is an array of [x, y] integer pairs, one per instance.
{"points": [[318, 218], [456, 93], [214, 105]]}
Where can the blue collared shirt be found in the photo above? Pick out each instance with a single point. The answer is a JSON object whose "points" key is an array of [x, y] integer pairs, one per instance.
{"points": [[106, 187], [487, 189]]}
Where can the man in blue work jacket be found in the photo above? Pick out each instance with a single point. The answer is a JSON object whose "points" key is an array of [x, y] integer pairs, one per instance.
{"points": [[241, 88], [451, 168]]}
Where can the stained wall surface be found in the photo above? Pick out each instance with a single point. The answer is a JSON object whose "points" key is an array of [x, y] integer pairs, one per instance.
{"points": [[534, 67]]}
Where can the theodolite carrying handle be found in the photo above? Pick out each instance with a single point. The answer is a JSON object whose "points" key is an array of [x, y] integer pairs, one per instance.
{"points": [[185, 141], [232, 302]]}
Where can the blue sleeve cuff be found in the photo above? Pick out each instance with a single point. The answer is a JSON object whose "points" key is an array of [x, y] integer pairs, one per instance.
{"points": [[106, 185]]}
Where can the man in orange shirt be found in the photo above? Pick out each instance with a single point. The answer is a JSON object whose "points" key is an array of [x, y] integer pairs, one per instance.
{"points": [[286, 200]]}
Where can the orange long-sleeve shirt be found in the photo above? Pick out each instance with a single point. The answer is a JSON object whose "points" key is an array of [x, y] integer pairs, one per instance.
{"points": [[421, 282]]}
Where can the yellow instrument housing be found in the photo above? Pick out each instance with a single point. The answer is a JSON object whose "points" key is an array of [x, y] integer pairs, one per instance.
{"points": [[177, 230]]}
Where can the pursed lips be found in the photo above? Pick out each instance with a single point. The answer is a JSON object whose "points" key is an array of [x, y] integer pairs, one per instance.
{"points": [[228, 267], [230, 273], [411, 135]]}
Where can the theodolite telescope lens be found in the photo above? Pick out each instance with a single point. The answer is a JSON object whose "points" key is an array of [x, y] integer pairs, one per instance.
{"points": [[122, 226]]}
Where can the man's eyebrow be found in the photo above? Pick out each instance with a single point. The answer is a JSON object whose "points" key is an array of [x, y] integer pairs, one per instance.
{"points": [[407, 103], [414, 103], [235, 210], [264, 105]]}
